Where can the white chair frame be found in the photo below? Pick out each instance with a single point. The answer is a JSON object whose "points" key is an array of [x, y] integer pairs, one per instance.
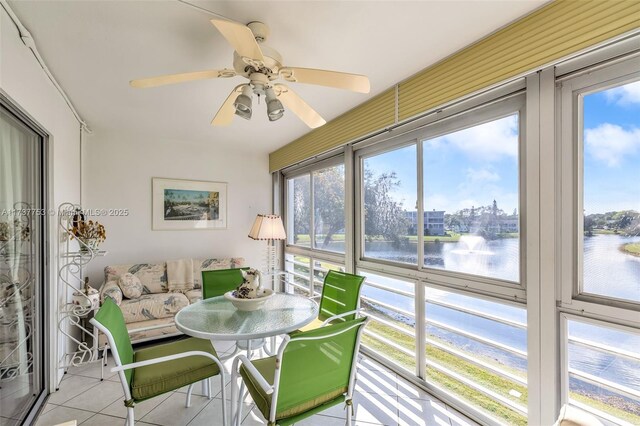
{"points": [[120, 369], [236, 413]]}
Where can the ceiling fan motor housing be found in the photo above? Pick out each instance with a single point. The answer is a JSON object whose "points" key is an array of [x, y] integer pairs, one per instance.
{"points": [[272, 59]]}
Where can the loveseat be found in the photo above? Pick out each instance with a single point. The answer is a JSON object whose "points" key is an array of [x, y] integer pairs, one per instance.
{"points": [[151, 315]]}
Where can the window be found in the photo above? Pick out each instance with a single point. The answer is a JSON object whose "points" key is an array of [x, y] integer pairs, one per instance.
{"points": [[315, 217], [328, 208], [611, 193], [477, 350], [315, 209], [471, 200], [299, 271], [389, 202], [603, 370], [299, 211], [305, 275], [391, 332], [600, 124]]}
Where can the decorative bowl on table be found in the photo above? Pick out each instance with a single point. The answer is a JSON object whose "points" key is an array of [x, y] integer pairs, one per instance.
{"points": [[246, 304]]}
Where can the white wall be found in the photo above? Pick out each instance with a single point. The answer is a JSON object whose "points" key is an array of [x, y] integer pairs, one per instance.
{"points": [[24, 81], [117, 171]]}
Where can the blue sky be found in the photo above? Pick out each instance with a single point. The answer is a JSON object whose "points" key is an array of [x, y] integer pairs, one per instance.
{"points": [[612, 149], [474, 166]]}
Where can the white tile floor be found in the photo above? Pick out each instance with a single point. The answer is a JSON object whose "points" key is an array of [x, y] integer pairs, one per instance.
{"points": [[381, 398]]}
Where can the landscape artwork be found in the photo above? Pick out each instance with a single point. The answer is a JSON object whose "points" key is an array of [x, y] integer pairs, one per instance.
{"points": [[185, 204]]}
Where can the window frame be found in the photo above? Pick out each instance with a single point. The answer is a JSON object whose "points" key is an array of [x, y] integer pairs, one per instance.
{"points": [[564, 351], [487, 111], [571, 91], [311, 251]]}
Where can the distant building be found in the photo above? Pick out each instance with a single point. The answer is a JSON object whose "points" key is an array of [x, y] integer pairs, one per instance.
{"points": [[433, 222], [509, 224]]}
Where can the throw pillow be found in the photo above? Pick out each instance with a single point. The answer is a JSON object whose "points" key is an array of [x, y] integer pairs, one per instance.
{"points": [[130, 285], [112, 289]]}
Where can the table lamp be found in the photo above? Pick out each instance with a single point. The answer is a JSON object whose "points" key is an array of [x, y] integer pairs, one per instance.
{"points": [[268, 227]]}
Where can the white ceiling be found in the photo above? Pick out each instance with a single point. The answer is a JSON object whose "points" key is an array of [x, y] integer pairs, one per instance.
{"points": [[94, 48]]}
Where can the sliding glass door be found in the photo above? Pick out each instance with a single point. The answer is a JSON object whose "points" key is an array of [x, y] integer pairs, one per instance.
{"points": [[22, 219]]}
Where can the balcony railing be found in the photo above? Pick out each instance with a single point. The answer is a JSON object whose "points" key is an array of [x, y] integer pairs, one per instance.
{"points": [[603, 372], [498, 390]]}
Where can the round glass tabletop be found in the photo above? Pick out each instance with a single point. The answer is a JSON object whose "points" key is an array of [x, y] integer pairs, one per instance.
{"points": [[217, 319]]}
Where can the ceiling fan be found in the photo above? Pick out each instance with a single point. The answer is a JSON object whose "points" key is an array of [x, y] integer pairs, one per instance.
{"points": [[262, 65]]}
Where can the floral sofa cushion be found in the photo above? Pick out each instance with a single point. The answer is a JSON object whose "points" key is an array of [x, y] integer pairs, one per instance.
{"points": [[153, 306], [194, 295], [200, 265], [153, 276]]}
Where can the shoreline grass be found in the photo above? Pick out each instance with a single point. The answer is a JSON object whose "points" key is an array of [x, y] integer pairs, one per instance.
{"points": [[632, 249]]}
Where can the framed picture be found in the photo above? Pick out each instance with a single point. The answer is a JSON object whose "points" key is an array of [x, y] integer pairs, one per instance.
{"points": [[189, 204]]}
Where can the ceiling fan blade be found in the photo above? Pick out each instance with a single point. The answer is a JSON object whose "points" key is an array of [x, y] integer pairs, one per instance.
{"points": [[240, 37], [295, 104], [224, 116], [180, 78], [341, 80]]}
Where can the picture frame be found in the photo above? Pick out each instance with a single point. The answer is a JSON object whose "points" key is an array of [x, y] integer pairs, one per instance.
{"points": [[180, 204]]}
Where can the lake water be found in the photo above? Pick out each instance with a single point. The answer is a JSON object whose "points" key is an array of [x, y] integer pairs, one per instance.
{"points": [[607, 270]]}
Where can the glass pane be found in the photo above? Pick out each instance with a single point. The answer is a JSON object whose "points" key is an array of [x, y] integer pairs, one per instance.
{"points": [[604, 371], [298, 278], [299, 210], [391, 331], [477, 350], [471, 221], [328, 208], [611, 246], [21, 356], [390, 194]]}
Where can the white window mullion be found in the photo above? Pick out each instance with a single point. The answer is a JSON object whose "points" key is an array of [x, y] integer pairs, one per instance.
{"points": [[548, 243], [419, 299], [349, 210], [312, 228], [420, 203], [421, 332]]}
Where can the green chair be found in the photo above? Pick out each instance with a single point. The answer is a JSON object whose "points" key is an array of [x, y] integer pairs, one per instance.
{"points": [[152, 371], [312, 371], [340, 299], [218, 282]]}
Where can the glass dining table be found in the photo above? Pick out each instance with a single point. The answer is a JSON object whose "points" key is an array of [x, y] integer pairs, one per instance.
{"points": [[216, 319]]}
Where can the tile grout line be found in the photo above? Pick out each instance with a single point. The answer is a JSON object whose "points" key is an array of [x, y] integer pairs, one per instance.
{"points": [[205, 406], [168, 394], [86, 390]]}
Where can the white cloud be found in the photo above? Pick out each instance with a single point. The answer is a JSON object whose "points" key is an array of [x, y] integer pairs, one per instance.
{"points": [[482, 175], [624, 95], [486, 142], [610, 143]]}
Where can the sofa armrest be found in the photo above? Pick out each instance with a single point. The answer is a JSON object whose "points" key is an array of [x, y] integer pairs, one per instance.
{"points": [[112, 290]]}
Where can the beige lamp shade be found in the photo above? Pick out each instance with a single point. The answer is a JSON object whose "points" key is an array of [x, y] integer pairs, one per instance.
{"points": [[267, 227]]}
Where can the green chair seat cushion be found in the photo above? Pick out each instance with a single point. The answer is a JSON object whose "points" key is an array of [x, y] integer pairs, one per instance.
{"points": [[315, 324], [156, 379], [267, 367]]}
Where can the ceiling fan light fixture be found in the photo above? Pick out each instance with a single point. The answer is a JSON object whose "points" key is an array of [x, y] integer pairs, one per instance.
{"points": [[242, 103], [275, 110]]}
